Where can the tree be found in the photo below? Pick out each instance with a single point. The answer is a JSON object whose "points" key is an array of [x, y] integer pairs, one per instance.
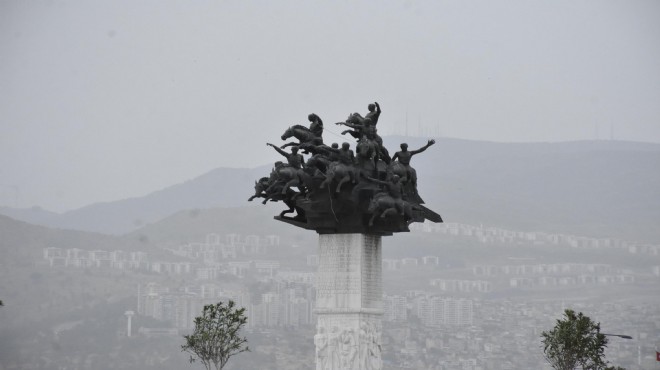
{"points": [[575, 342], [216, 335]]}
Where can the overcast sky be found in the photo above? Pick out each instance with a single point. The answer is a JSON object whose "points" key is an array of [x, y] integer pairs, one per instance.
{"points": [[104, 100]]}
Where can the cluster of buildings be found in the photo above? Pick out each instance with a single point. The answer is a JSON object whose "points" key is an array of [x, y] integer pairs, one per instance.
{"points": [[204, 270], [216, 248], [557, 274], [288, 303], [431, 310], [462, 286], [178, 307], [444, 331], [507, 335], [552, 281], [206, 261], [539, 269], [407, 262], [487, 235], [76, 257]]}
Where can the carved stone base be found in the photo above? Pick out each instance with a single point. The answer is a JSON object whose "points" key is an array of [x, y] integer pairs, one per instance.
{"points": [[349, 303]]}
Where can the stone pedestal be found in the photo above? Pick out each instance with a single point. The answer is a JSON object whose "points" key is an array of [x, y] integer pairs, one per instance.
{"points": [[349, 302]]}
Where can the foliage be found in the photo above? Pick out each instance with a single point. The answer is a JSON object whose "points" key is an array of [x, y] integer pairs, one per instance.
{"points": [[575, 342], [216, 335]]}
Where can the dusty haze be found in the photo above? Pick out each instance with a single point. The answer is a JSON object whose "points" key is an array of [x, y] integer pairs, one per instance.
{"points": [[108, 100]]}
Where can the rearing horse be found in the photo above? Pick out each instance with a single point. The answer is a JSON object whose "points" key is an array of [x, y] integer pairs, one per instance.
{"points": [[303, 134]]}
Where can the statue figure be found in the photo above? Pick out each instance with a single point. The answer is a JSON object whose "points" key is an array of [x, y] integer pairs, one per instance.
{"points": [[365, 128], [286, 176], [273, 188], [260, 188], [404, 156], [316, 125], [333, 348], [347, 349], [345, 155], [374, 113], [375, 361], [295, 160], [388, 202], [364, 339], [322, 156], [321, 342], [303, 134], [343, 169]]}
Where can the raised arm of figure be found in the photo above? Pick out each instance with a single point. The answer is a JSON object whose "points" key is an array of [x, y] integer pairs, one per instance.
{"points": [[282, 152], [413, 152]]}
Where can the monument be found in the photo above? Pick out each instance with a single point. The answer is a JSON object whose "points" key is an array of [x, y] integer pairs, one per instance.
{"points": [[351, 198]]}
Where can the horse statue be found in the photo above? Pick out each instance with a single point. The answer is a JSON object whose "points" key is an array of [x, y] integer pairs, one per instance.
{"points": [[303, 134], [341, 171], [288, 176], [409, 188], [384, 205], [318, 162], [365, 152], [363, 129], [260, 189], [288, 197], [397, 168]]}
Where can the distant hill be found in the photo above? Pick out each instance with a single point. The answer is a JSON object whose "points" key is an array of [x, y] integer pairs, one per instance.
{"points": [[222, 187], [23, 243], [599, 188], [194, 225]]}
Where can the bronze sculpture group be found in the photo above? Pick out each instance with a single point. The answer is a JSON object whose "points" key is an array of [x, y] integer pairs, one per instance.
{"points": [[344, 191]]}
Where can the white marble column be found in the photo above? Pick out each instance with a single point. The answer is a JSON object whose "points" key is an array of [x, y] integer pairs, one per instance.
{"points": [[349, 302]]}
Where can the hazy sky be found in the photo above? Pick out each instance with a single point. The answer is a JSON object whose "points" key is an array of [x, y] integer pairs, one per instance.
{"points": [[103, 100]]}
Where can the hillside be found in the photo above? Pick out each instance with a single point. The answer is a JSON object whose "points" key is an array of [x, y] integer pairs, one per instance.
{"points": [[194, 225], [599, 188], [22, 243]]}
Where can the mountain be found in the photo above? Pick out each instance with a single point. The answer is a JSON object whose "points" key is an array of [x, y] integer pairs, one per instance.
{"points": [[596, 188], [22, 243], [222, 187], [194, 225]]}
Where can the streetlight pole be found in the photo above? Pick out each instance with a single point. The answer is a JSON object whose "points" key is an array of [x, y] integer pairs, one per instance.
{"points": [[619, 335]]}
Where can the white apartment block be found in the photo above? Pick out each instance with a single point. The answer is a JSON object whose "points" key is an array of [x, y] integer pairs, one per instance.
{"points": [[395, 308], [437, 311], [391, 264], [431, 260], [466, 286]]}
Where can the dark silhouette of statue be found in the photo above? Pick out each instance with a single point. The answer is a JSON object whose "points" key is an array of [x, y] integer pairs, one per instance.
{"points": [[316, 124], [294, 159], [404, 156], [364, 128], [337, 190], [374, 113]]}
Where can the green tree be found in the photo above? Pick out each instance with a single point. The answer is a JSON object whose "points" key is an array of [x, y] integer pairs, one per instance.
{"points": [[575, 343], [216, 335]]}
